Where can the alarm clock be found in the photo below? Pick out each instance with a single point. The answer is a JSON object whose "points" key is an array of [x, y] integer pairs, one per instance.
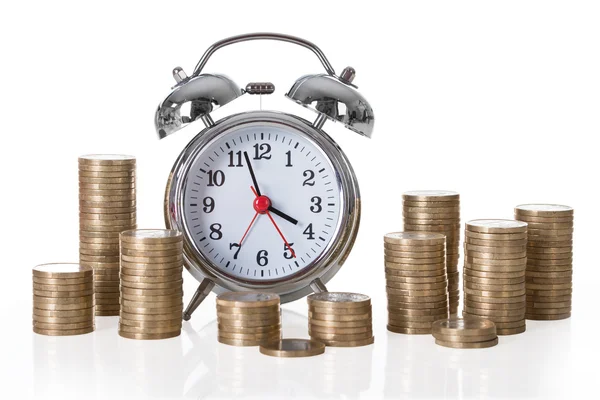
{"points": [[266, 201]]}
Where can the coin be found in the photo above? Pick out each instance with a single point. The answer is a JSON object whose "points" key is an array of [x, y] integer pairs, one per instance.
{"points": [[495, 250], [69, 295], [494, 275], [151, 299], [336, 300], [543, 210], [173, 323], [340, 311], [486, 312], [341, 318], [152, 253], [134, 267], [249, 323], [392, 305], [155, 305], [493, 306], [247, 299], [105, 168], [496, 236], [496, 226], [468, 345], [106, 289], [83, 179], [494, 268], [416, 248], [148, 336], [409, 324], [339, 331], [510, 325], [410, 279], [413, 255], [549, 311], [145, 330], [265, 336], [431, 195], [488, 299], [409, 331], [173, 277], [337, 337], [417, 286], [106, 204], [554, 305], [155, 285], [152, 246], [63, 332], [239, 342], [66, 326], [292, 348], [127, 173], [494, 281], [399, 319], [63, 288], [348, 343], [62, 270], [89, 319], [464, 338], [552, 317], [64, 313], [399, 272], [549, 275], [273, 317], [341, 324], [177, 308], [416, 299], [496, 294], [407, 238], [550, 281], [130, 274], [496, 243], [63, 306], [495, 287], [511, 331], [251, 329], [149, 236]]}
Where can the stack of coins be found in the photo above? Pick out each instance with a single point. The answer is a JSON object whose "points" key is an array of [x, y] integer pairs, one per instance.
{"points": [[437, 211], [248, 318], [549, 276], [340, 319], [106, 208], [63, 299], [416, 283], [151, 284], [494, 273], [468, 333]]}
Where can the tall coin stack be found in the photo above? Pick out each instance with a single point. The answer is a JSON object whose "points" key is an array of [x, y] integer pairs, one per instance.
{"points": [[416, 282], [248, 318], [63, 299], [106, 208], [340, 319], [494, 273], [151, 284], [437, 211], [549, 276]]}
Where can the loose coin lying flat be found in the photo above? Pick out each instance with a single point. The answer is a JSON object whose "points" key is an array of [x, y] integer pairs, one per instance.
{"points": [[293, 348], [467, 345]]}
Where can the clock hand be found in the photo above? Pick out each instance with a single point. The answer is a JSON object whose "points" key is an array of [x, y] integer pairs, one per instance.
{"points": [[283, 215], [281, 234], [252, 173], [248, 229], [260, 210]]}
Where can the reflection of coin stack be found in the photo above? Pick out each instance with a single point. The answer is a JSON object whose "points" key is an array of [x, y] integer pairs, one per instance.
{"points": [[549, 276], [340, 319], [248, 318], [63, 299], [468, 333], [416, 283], [151, 284], [106, 208], [494, 273], [437, 211]]}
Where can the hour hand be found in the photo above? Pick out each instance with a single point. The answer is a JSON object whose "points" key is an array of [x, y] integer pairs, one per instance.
{"points": [[283, 215]]}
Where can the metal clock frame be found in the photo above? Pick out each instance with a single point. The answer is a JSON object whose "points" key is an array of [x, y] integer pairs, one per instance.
{"points": [[312, 278]]}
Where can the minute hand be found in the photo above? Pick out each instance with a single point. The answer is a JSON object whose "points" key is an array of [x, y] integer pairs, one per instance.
{"points": [[252, 173], [283, 215]]}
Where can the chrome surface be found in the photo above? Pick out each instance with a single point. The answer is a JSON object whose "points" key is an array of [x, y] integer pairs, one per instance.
{"points": [[191, 99], [263, 36], [338, 102], [325, 266]]}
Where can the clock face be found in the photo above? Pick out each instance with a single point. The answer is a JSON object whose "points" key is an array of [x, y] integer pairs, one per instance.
{"points": [[269, 227]]}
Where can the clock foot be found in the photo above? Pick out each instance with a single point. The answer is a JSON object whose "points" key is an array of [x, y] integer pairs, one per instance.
{"points": [[318, 286], [203, 290]]}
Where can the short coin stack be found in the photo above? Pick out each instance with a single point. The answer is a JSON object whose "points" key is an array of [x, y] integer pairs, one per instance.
{"points": [[106, 208], [494, 273], [549, 276], [151, 284], [248, 318], [437, 211], [467, 333], [416, 282], [63, 299], [340, 319]]}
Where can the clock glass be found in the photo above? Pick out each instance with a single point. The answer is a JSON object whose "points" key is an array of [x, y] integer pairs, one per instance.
{"points": [[262, 202]]}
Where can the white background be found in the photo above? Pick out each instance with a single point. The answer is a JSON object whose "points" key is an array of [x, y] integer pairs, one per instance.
{"points": [[497, 100]]}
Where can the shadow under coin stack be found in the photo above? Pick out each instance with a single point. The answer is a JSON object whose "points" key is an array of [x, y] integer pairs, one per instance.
{"points": [[339, 319], [106, 208], [494, 273], [63, 299], [151, 284], [416, 283], [437, 211], [549, 276], [467, 333], [248, 318]]}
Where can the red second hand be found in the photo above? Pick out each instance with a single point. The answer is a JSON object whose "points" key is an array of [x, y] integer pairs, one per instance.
{"points": [[248, 230], [281, 234]]}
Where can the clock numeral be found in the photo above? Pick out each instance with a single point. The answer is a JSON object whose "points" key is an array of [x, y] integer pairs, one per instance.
{"points": [[233, 246], [289, 159], [262, 151], [287, 254], [317, 207], [310, 178], [215, 232], [216, 178], [261, 258], [235, 159], [309, 232], [209, 205]]}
